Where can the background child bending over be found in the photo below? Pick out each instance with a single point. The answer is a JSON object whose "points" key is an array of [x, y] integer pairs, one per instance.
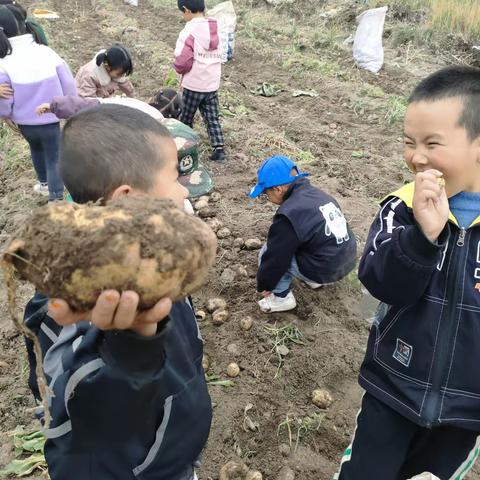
{"points": [[106, 73], [309, 238]]}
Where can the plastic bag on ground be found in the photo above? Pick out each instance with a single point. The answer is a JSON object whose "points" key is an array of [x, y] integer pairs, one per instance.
{"points": [[227, 22], [367, 46]]}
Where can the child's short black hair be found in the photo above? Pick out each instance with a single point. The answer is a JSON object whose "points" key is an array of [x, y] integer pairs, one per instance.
{"points": [[117, 57], [100, 151], [168, 102], [195, 6], [455, 81]]}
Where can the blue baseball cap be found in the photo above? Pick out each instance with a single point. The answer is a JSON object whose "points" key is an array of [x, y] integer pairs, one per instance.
{"points": [[274, 171]]}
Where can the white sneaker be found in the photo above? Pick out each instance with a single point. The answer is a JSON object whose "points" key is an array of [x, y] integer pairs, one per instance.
{"points": [[313, 285], [272, 303], [41, 188]]}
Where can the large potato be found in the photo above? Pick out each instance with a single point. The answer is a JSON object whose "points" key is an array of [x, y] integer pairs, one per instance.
{"points": [[137, 243]]}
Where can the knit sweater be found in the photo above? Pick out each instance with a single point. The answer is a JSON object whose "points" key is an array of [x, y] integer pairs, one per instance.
{"points": [[36, 74]]}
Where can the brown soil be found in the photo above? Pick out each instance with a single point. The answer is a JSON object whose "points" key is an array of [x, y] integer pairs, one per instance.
{"points": [[356, 157]]}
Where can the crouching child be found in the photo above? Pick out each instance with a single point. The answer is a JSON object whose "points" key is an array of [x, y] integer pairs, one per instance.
{"points": [[309, 238]]}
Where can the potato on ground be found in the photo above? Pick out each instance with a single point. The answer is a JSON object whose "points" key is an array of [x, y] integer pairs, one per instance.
{"points": [[137, 243]]}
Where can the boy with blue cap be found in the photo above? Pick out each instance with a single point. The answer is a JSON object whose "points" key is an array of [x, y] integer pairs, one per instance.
{"points": [[309, 238]]}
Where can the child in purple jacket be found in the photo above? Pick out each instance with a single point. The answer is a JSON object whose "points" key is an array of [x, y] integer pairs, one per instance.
{"points": [[36, 74]]}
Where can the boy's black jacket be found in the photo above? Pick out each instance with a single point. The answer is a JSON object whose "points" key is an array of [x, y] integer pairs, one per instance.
{"points": [[124, 407], [423, 354], [310, 225]]}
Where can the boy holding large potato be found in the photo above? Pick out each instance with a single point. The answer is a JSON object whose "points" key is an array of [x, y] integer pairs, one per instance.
{"points": [[128, 394]]}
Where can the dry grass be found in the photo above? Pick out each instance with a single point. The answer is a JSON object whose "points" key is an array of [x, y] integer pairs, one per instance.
{"points": [[460, 17], [457, 16]]}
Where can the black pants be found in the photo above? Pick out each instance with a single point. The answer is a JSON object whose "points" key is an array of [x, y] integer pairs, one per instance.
{"points": [[387, 446], [207, 103]]}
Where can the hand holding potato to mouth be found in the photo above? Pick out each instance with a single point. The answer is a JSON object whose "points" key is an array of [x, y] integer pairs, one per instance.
{"points": [[430, 203]]}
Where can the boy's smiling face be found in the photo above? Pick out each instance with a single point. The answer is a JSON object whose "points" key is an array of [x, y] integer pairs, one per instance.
{"points": [[435, 140]]}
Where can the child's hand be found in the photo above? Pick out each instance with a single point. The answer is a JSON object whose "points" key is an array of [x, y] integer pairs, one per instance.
{"points": [[5, 91], [114, 311], [430, 203], [43, 108]]}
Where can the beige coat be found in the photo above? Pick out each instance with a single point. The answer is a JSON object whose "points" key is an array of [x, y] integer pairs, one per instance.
{"points": [[94, 81]]}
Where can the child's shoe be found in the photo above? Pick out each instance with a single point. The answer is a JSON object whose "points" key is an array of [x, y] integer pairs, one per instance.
{"points": [[313, 285], [41, 188], [218, 155], [272, 303]]}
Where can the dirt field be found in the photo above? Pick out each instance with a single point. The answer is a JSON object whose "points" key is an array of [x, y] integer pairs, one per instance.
{"points": [[348, 138]]}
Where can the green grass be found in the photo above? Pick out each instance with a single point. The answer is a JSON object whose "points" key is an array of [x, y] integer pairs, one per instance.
{"points": [[15, 155], [396, 106], [215, 381], [372, 91], [298, 428], [28, 452], [300, 62]]}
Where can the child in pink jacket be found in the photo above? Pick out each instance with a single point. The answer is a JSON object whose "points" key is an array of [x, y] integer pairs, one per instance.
{"points": [[106, 73], [198, 58]]}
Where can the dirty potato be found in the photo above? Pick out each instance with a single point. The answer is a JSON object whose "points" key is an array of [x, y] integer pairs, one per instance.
{"points": [[137, 243]]}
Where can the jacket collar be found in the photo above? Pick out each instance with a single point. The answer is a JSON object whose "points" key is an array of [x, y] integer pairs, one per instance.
{"points": [[21, 40], [405, 194], [296, 184]]}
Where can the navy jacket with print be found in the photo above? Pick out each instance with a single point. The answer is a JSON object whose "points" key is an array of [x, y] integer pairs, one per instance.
{"points": [[310, 226], [124, 407], [423, 352]]}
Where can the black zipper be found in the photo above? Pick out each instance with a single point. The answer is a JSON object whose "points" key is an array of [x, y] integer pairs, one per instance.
{"points": [[445, 337]]}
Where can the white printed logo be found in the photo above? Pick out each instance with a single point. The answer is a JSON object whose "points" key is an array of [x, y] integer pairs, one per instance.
{"points": [[335, 222]]}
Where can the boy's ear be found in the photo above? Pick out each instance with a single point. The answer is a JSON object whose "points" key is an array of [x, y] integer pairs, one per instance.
{"points": [[121, 191]]}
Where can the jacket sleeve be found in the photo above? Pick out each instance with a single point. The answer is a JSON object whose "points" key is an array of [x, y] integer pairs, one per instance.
{"points": [[66, 79], [67, 106], [6, 104], [86, 86], [127, 88], [184, 55], [282, 243], [398, 260], [112, 395], [37, 320]]}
